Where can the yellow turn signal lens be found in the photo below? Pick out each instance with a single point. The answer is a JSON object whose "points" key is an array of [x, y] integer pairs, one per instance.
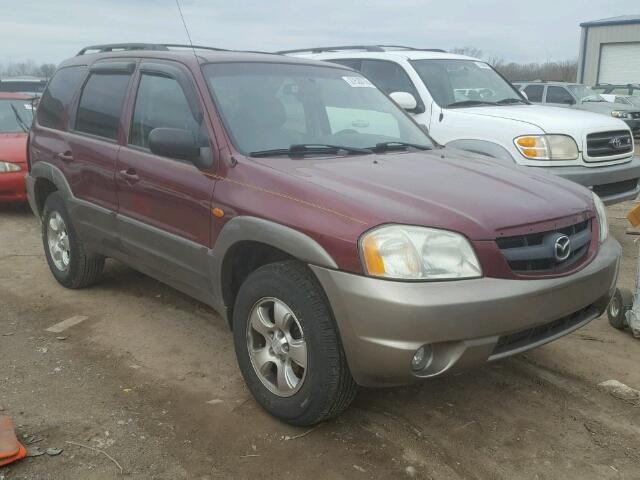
{"points": [[527, 142], [372, 258]]}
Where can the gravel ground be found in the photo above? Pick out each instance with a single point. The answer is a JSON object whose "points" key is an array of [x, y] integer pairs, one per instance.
{"points": [[149, 378]]}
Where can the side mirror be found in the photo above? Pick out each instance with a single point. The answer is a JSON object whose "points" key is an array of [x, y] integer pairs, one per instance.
{"points": [[174, 143], [404, 100]]}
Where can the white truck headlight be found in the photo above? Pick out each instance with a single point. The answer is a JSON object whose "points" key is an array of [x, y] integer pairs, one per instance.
{"points": [[418, 253], [547, 147], [619, 114], [601, 214], [9, 167]]}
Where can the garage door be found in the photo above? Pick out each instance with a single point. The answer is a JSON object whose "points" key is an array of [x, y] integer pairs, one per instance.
{"points": [[620, 63]]}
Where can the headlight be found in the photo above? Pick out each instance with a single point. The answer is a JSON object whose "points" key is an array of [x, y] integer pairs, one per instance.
{"points": [[619, 114], [418, 253], [9, 167], [547, 147], [601, 214]]}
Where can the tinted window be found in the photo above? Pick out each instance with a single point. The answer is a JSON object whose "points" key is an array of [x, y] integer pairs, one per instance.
{"points": [[559, 95], [58, 96], [161, 102], [101, 104], [534, 92], [389, 76]]}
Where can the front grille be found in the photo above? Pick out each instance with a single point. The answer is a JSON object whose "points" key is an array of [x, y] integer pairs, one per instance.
{"points": [[529, 336], [607, 144], [535, 253], [609, 189]]}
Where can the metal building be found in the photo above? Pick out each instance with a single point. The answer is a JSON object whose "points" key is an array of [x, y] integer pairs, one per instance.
{"points": [[610, 51]]}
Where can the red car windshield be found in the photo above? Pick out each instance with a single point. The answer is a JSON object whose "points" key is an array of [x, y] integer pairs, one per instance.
{"points": [[15, 116]]}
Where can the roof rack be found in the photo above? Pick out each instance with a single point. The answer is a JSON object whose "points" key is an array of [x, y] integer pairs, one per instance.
{"points": [[140, 46], [366, 48]]}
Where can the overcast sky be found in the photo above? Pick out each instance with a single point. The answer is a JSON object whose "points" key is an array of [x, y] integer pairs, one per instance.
{"points": [[535, 30]]}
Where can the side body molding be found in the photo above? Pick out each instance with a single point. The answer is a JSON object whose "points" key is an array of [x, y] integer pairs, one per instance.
{"points": [[254, 229]]}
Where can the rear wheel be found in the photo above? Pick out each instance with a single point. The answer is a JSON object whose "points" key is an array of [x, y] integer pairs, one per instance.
{"points": [[69, 262], [287, 345], [620, 304]]}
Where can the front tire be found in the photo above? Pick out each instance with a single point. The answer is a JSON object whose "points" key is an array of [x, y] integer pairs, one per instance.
{"points": [[69, 262], [288, 347], [621, 302]]}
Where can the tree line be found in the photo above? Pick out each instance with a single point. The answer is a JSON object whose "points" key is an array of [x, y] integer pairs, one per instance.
{"points": [[27, 68], [561, 71]]}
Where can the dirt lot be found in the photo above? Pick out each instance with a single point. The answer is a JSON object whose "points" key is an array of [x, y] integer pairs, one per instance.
{"points": [[150, 378]]}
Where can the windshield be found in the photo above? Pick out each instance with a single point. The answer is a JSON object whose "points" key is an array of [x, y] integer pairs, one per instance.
{"points": [[15, 116], [585, 94], [464, 83], [269, 106], [22, 86]]}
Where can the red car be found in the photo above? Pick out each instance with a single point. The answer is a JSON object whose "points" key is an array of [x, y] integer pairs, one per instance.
{"points": [[16, 112]]}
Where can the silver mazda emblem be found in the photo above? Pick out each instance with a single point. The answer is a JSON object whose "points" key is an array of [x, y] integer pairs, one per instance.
{"points": [[619, 143], [562, 248]]}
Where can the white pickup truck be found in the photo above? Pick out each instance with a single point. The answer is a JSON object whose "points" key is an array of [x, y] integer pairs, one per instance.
{"points": [[466, 104]]}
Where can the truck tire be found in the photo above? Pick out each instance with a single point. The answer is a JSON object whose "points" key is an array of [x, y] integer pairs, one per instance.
{"points": [[288, 347], [70, 263]]}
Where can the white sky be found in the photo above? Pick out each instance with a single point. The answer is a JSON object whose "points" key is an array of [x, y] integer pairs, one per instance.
{"points": [[524, 31]]}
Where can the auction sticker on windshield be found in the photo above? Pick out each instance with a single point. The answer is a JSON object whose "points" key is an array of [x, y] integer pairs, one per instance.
{"points": [[358, 82]]}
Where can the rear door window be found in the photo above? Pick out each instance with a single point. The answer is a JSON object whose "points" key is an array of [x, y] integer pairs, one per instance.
{"points": [[559, 95], [101, 104], [59, 94], [534, 93], [161, 103]]}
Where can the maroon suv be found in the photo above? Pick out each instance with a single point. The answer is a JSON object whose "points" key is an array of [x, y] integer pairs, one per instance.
{"points": [[300, 202]]}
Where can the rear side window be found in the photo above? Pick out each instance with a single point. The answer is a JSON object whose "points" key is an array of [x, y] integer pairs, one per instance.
{"points": [[58, 96], [101, 104], [559, 95], [161, 102], [534, 93]]}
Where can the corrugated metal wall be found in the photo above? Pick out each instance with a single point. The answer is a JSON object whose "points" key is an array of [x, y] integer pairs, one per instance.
{"points": [[596, 36]]}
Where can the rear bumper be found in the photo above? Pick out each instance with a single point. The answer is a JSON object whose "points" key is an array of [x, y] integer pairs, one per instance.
{"points": [[469, 322], [12, 187], [613, 183]]}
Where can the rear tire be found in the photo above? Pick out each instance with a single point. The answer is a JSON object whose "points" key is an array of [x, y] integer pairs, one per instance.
{"points": [[69, 262], [287, 304], [620, 304]]}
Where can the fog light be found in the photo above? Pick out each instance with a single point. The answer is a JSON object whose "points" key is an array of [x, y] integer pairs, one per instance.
{"points": [[422, 358]]}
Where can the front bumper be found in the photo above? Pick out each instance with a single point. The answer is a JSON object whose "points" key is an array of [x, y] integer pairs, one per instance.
{"points": [[12, 187], [613, 183], [382, 323]]}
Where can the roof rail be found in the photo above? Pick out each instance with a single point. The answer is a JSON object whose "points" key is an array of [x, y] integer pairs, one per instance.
{"points": [[140, 46], [366, 48]]}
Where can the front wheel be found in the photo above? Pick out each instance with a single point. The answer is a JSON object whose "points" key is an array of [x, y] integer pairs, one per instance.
{"points": [[288, 347], [621, 302]]}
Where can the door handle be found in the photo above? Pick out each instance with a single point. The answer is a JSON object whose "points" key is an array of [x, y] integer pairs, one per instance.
{"points": [[66, 157], [130, 175]]}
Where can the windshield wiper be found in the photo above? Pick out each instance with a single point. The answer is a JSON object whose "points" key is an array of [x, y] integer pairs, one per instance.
{"points": [[386, 146], [21, 122], [310, 149], [507, 101], [469, 103]]}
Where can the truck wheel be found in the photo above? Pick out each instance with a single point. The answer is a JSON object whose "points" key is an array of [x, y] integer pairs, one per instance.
{"points": [[620, 303], [287, 345], [67, 257]]}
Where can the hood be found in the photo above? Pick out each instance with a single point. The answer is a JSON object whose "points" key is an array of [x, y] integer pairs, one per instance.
{"points": [[13, 147], [453, 190], [550, 119], [607, 107]]}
